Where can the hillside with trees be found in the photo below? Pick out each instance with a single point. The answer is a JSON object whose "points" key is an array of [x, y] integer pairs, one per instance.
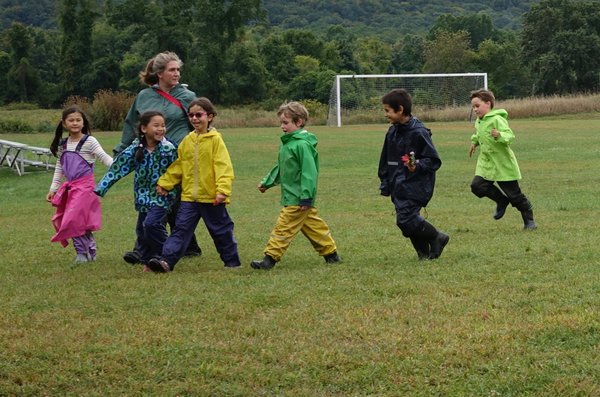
{"points": [[376, 17], [262, 52], [388, 18]]}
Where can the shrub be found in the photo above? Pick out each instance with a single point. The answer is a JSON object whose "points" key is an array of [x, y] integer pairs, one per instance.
{"points": [[317, 111], [46, 126], [109, 109], [80, 101], [16, 126]]}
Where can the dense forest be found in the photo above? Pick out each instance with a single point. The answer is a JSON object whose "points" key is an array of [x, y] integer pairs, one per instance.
{"points": [[263, 51], [374, 17], [388, 17]]}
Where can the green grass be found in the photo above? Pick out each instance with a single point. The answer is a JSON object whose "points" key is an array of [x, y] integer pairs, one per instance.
{"points": [[503, 312]]}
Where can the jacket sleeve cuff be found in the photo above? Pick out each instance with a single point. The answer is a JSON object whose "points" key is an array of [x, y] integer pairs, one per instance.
{"points": [[306, 202]]}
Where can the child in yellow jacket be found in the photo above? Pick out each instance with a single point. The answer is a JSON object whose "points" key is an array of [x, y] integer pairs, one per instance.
{"points": [[204, 170]]}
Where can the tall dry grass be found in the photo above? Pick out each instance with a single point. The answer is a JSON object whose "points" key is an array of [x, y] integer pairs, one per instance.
{"points": [[114, 108], [517, 109]]}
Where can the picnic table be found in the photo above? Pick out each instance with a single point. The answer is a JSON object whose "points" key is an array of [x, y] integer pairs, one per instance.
{"points": [[17, 156]]}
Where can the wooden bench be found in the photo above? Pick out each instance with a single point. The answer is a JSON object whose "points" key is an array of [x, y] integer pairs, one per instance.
{"points": [[17, 156]]}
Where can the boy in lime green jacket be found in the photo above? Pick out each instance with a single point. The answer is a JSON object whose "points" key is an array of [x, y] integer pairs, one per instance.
{"points": [[497, 162]]}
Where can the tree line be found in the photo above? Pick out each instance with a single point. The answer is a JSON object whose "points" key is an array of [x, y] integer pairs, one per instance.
{"points": [[233, 57]]}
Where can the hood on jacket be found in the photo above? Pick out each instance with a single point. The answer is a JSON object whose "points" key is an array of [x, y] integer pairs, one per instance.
{"points": [[497, 112], [301, 134]]}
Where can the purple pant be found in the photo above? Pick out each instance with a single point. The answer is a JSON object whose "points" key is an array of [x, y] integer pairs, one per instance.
{"points": [[85, 244], [219, 225]]}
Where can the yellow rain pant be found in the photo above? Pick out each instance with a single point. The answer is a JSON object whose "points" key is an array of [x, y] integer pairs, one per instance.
{"points": [[293, 220]]}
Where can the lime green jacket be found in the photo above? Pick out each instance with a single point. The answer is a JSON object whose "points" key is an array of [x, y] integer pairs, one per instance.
{"points": [[496, 161], [203, 167], [297, 169]]}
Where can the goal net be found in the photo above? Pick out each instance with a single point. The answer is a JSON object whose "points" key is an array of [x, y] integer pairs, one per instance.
{"points": [[355, 98]]}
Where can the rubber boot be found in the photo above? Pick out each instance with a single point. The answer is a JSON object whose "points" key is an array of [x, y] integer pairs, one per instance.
{"points": [[421, 246], [437, 240], [501, 202], [501, 207], [528, 222]]}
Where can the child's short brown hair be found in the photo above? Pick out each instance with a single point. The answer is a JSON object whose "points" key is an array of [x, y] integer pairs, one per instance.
{"points": [[485, 96], [295, 111]]}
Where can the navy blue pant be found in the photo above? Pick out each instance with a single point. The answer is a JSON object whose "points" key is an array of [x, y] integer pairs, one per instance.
{"points": [[219, 225], [408, 216], [151, 232]]}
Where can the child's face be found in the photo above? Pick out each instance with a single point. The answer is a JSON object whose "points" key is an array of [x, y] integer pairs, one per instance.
{"points": [[393, 116], [287, 125], [199, 118], [155, 130], [73, 123], [480, 107]]}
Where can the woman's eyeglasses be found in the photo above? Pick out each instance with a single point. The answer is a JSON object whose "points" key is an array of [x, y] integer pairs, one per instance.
{"points": [[198, 115]]}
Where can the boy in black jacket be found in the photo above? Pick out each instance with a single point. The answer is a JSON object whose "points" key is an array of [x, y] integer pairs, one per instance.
{"points": [[407, 172]]}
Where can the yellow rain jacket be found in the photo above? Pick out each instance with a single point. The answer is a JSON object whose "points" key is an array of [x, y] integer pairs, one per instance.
{"points": [[203, 168]]}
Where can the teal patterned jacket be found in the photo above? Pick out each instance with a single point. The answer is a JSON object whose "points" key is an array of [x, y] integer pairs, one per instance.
{"points": [[146, 175]]}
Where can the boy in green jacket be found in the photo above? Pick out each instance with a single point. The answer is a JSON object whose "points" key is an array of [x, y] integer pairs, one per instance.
{"points": [[496, 162], [297, 171]]}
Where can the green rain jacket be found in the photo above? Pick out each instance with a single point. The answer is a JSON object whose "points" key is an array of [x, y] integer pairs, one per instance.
{"points": [[175, 117], [297, 169], [496, 161]]}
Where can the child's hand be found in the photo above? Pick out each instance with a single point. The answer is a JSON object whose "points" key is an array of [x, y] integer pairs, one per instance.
{"points": [[472, 149], [304, 207], [50, 196], [410, 162], [495, 134], [161, 191], [261, 188], [219, 199]]}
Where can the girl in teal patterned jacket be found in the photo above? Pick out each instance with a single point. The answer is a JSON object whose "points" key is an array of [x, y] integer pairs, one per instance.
{"points": [[149, 156]]}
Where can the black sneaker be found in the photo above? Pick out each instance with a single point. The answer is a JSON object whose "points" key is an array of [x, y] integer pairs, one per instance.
{"points": [[233, 265], [159, 265], [132, 257], [332, 258], [266, 263]]}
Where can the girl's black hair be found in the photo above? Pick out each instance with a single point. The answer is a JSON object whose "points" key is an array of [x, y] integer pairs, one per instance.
{"points": [[59, 128], [144, 120]]}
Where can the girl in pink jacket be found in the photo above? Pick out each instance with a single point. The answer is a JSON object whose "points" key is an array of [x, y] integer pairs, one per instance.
{"points": [[78, 211]]}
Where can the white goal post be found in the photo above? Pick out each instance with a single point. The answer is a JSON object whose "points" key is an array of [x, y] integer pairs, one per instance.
{"points": [[363, 92]]}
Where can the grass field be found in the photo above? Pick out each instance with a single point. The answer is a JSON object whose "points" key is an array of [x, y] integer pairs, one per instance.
{"points": [[503, 312]]}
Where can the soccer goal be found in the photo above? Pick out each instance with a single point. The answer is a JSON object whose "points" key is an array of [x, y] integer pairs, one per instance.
{"points": [[356, 94]]}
